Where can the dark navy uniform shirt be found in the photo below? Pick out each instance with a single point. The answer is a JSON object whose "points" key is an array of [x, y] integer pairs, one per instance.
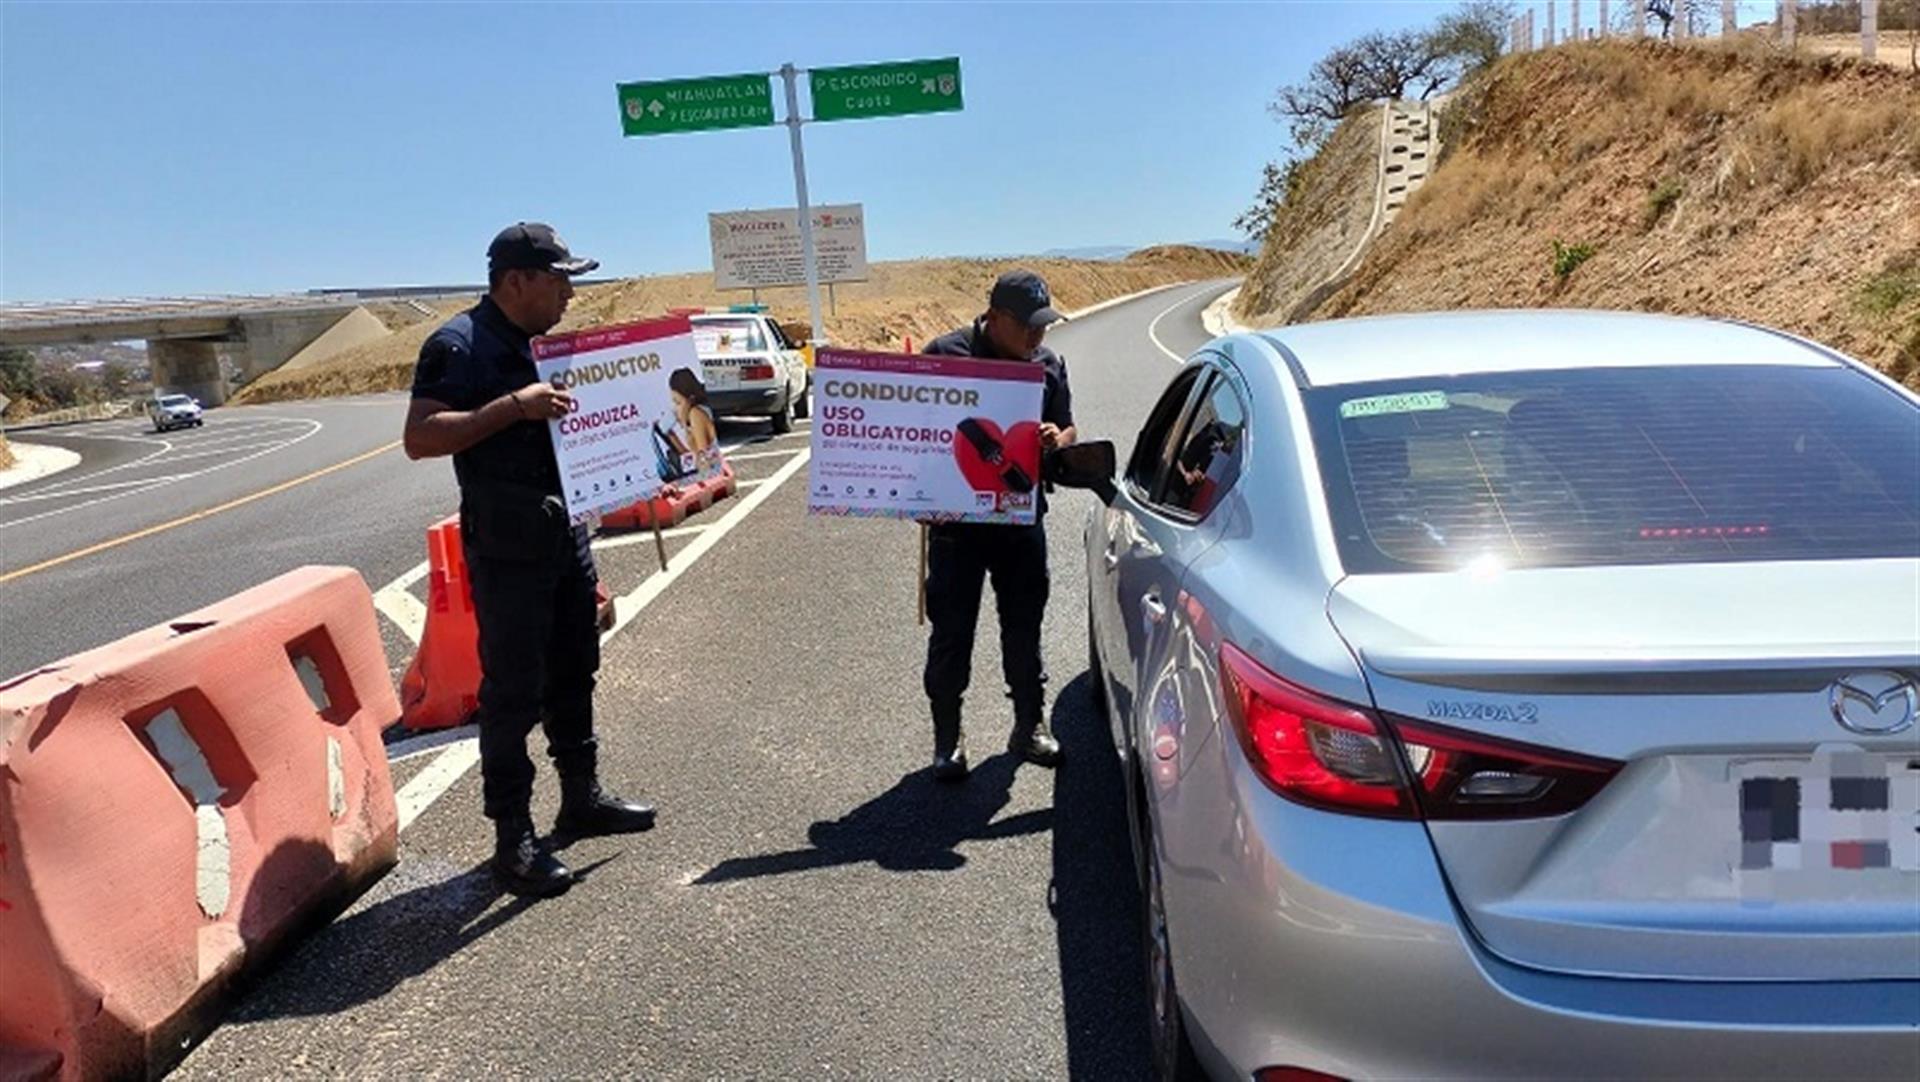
{"points": [[510, 498], [474, 358]]}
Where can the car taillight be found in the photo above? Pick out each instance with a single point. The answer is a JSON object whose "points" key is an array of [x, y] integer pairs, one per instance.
{"points": [[1294, 1074], [1466, 775], [757, 371], [1311, 749], [1326, 754]]}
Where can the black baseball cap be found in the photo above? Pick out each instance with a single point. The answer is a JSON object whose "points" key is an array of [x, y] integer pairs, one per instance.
{"points": [[1023, 295], [534, 246]]}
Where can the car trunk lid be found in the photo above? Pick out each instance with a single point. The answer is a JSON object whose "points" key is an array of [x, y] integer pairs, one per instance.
{"points": [[1748, 834]]}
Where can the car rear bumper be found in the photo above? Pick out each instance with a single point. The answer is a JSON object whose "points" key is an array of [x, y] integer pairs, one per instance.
{"points": [[1345, 954], [755, 402]]}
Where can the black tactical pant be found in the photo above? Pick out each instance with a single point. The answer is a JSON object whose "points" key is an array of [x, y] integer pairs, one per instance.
{"points": [[533, 597], [959, 560]]}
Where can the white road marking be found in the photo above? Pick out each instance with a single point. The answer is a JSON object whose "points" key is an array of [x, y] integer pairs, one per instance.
{"points": [[645, 537], [413, 747], [755, 483], [1116, 302], [436, 778], [404, 609], [316, 426], [461, 754], [632, 604], [1151, 330], [750, 455], [88, 490], [413, 574], [197, 451]]}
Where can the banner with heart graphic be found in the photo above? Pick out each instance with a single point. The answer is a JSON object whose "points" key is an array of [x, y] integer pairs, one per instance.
{"points": [[935, 439]]}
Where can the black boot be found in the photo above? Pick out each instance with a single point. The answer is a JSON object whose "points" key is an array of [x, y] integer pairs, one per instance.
{"points": [[1031, 740], [949, 743], [521, 864], [586, 811]]}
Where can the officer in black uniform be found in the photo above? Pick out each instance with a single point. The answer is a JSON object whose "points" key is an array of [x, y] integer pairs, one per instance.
{"points": [[961, 556], [476, 397]]}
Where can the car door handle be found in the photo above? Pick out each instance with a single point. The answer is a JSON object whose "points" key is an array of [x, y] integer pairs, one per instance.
{"points": [[1153, 607]]}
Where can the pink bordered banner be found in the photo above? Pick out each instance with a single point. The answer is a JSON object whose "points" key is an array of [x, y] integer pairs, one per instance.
{"points": [[928, 438], [922, 364], [596, 339]]}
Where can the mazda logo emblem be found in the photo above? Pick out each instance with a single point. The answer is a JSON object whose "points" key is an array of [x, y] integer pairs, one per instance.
{"points": [[1874, 703]]}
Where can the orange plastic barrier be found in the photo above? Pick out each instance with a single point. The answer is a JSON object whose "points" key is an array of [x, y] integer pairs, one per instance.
{"points": [[441, 688], [173, 806], [672, 511]]}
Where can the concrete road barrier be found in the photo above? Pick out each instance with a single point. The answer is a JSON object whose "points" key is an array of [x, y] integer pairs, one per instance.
{"points": [[173, 806]]}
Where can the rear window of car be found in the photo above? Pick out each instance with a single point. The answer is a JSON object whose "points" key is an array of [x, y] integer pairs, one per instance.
{"points": [[718, 337], [1652, 465]]}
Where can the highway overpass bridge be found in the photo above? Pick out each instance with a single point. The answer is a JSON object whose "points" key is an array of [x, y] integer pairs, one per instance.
{"points": [[187, 336]]}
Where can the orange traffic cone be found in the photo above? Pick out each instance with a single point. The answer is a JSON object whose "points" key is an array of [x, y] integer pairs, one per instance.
{"points": [[908, 348], [442, 686]]}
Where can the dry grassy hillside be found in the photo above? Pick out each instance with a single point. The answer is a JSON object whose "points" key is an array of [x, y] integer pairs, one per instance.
{"points": [[916, 299], [1693, 180], [1316, 229], [6, 454]]}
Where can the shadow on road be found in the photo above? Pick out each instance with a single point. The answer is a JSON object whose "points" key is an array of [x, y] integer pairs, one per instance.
{"points": [[1096, 900], [372, 951], [916, 826]]}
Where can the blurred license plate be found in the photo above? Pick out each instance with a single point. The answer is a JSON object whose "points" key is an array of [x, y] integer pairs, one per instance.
{"points": [[722, 377], [1844, 812]]}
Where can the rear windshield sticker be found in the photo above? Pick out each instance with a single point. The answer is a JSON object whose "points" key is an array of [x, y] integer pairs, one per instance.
{"points": [[1411, 402]]}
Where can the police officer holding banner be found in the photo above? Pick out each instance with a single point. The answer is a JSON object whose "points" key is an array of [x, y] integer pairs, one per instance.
{"points": [[476, 397], [961, 556]]}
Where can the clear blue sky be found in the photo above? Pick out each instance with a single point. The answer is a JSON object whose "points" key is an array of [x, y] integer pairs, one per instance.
{"points": [[156, 148]]}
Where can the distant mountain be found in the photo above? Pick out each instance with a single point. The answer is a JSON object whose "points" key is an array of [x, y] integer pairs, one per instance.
{"points": [[1244, 247], [1104, 252], [1111, 252]]}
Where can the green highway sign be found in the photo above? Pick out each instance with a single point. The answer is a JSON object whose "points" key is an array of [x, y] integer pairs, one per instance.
{"points": [[681, 105], [895, 89]]}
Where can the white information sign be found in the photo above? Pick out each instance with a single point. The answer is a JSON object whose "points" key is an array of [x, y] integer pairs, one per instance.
{"points": [[756, 249], [937, 439]]}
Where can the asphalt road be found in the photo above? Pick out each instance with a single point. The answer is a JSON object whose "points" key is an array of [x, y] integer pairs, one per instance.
{"points": [[150, 525], [811, 903]]}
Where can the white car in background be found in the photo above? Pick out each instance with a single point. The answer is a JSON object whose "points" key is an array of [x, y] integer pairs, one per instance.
{"points": [[750, 367], [170, 411]]}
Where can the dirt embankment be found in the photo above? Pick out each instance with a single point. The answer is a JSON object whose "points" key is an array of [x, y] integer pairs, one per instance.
{"points": [[1317, 228], [1782, 190], [915, 299], [6, 454]]}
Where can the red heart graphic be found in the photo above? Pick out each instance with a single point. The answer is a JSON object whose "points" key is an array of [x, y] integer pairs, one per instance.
{"points": [[1019, 446]]}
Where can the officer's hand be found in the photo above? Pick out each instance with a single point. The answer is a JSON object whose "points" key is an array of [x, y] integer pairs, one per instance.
{"points": [[1049, 436], [542, 402]]}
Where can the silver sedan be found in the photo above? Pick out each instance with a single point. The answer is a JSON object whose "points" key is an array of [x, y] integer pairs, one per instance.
{"points": [[1513, 695]]}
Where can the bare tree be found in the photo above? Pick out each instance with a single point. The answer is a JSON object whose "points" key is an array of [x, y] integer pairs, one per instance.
{"points": [[1405, 64], [1335, 84], [1475, 34]]}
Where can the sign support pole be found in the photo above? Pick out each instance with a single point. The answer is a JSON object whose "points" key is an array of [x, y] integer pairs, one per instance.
{"points": [[789, 75]]}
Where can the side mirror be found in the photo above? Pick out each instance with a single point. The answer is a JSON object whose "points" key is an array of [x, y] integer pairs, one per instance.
{"points": [[1089, 465]]}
